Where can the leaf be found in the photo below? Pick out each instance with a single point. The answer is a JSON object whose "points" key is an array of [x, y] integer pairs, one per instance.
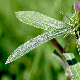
{"points": [[39, 20], [78, 44], [31, 44], [74, 66]]}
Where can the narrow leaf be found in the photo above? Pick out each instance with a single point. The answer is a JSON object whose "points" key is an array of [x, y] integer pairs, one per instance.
{"points": [[74, 66], [31, 44], [39, 20]]}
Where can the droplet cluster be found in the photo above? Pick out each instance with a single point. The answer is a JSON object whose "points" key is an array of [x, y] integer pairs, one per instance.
{"points": [[55, 28], [31, 44], [78, 43], [75, 71], [74, 68], [39, 20], [75, 24]]}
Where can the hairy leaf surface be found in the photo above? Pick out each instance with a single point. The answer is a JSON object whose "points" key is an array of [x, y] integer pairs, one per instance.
{"points": [[39, 20], [31, 44]]}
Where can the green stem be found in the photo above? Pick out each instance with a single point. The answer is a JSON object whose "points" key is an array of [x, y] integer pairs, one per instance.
{"points": [[57, 45], [67, 43]]}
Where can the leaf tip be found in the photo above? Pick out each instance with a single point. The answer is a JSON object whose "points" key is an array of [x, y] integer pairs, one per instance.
{"points": [[6, 62], [16, 12]]}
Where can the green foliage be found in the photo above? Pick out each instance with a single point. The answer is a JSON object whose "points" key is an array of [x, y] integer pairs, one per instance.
{"points": [[39, 20], [55, 28], [43, 22], [78, 44], [73, 65], [39, 63]]}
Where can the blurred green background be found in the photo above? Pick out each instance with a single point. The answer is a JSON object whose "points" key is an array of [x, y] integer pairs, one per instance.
{"points": [[38, 64]]}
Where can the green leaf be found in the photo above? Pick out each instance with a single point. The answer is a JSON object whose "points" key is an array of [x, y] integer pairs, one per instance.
{"points": [[78, 44], [69, 56], [39, 20], [74, 66], [31, 44]]}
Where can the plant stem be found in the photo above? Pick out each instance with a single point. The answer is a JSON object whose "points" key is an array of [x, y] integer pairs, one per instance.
{"points": [[57, 45], [60, 48], [68, 43]]}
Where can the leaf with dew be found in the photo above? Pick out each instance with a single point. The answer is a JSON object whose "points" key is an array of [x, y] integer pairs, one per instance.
{"points": [[39, 20], [31, 44], [74, 66]]}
